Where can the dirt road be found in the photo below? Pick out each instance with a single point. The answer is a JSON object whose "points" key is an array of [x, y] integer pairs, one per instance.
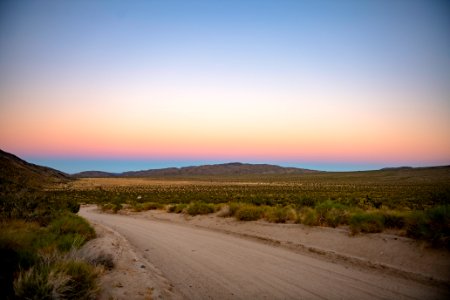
{"points": [[204, 264]]}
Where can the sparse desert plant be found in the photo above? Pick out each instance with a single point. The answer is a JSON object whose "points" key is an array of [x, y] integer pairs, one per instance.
{"points": [[234, 207], [393, 219], [177, 208], [116, 207], [249, 213], [280, 214], [331, 213], [367, 222], [70, 231], [57, 278], [308, 216], [432, 225], [151, 206], [200, 208], [105, 207]]}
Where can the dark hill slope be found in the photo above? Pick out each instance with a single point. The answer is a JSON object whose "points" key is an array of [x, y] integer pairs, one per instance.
{"points": [[19, 173], [218, 169]]}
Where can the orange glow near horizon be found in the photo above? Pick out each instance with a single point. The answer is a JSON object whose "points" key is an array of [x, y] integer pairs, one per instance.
{"points": [[291, 81]]}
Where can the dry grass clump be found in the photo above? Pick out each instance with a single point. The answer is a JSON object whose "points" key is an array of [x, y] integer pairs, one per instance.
{"points": [[56, 277], [147, 206], [200, 208], [37, 261], [247, 212], [332, 214], [367, 222], [432, 225], [280, 214], [308, 216], [177, 208]]}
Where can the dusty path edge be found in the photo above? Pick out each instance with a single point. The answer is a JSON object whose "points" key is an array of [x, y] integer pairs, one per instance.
{"points": [[132, 270]]}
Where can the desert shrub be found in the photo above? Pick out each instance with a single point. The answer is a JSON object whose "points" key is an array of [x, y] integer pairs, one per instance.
{"points": [[249, 213], [280, 214], [151, 206], [393, 219], [368, 222], [176, 208], [171, 208], [308, 216], [432, 225], [73, 206], [234, 207], [332, 213], [70, 223], [137, 207], [83, 279], [200, 208], [116, 207], [106, 207], [17, 250], [20, 243], [306, 201], [57, 278], [66, 232]]}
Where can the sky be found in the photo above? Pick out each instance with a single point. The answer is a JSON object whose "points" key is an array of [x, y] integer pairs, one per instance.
{"points": [[132, 85]]}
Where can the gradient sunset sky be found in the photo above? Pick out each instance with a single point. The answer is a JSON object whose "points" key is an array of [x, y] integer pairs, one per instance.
{"points": [[130, 85]]}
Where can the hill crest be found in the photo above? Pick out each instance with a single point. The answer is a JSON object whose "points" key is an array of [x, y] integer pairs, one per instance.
{"points": [[232, 168]]}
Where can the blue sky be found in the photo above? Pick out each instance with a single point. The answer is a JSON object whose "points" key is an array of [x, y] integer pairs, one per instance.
{"points": [[333, 85]]}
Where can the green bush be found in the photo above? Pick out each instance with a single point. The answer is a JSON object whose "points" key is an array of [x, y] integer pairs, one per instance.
{"points": [[331, 213], [72, 224], [151, 206], [116, 207], [234, 207], [249, 213], [200, 208], [66, 232], [394, 219], [57, 278], [432, 225], [176, 208], [280, 214], [17, 250], [366, 222], [308, 216]]}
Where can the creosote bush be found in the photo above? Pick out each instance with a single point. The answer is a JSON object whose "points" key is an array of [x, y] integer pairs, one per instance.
{"points": [[280, 214], [200, 208], [249, 213], [332, 213], [368, 222], [308, 216], [432, 225], [177, 208]]}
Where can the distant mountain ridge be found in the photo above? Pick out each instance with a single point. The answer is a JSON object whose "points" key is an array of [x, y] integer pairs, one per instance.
{"points": [[234, 168], [17, 172]]}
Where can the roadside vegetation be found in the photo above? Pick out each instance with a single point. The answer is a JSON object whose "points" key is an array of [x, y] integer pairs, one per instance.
{"points": [[39, 237], [414, 203]]}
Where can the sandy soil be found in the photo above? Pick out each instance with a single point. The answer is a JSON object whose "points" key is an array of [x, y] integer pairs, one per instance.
{"points": [[210, 257], [132, 277], [389, 252]]}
